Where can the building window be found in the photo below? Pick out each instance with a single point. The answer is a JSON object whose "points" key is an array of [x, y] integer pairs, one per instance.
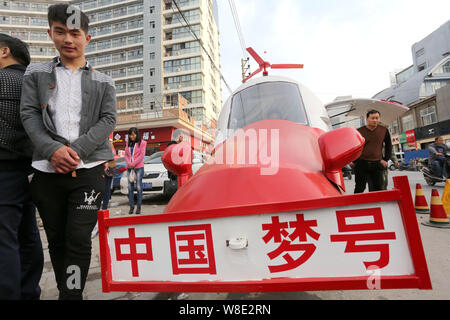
{"points": [[152, 40], [395, 127], [152, 9], [428, 115], [420, 52], [182, 65], [408, 122], [152, 56], [422, 67], [152, 89], [189, 80], [152, 24], [446, 67], [152, 72]]}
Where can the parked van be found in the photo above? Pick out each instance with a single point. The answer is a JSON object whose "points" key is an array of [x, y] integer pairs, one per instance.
{"points": [[400, 156]]}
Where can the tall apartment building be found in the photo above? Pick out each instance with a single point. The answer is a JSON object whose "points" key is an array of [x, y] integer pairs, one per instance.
{"points": [[27, 20], [164, 79]]}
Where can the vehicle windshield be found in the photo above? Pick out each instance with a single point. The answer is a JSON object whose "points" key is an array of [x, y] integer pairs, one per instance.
{"points": [[119, 160], [154, 158], [267, 101]]}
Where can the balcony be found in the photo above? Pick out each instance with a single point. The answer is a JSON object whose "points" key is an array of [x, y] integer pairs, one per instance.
{"points": [[106, 48], [19, 7], [21, 22], [107, 63], [92, 6], [104, 34], [169, 7], [126, 77], [125, 13], [182, 54], [170, 24], [174, 72]]}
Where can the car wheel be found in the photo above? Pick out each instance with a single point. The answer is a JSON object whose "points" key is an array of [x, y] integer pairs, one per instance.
{"points": [[392, 167], [430, 182], [169, 189]]}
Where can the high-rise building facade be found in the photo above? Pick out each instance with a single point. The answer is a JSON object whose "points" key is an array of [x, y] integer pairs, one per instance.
{"points": [[27, 20], [165, 64]]}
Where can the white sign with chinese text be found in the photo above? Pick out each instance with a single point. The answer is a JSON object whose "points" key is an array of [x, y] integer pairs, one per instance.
{"points": [[330, 242]]}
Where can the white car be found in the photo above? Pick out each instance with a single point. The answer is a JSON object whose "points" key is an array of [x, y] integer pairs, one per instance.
{"points": [[391, 165], [156, 175]]}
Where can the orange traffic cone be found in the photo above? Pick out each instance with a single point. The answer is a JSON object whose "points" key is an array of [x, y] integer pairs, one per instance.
{"points": [[446, 197], [421, 204], [438, 217]]}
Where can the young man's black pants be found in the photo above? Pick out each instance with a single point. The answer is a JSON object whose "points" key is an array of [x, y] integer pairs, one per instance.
{"points": [[365, 170], [21, 256], [68, 207]]}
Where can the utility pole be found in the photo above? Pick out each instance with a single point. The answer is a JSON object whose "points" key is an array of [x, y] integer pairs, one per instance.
{"points": [[245, 67]]}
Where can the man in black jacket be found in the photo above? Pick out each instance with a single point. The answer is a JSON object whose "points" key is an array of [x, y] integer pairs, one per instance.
{"points": [[21, 257], [372, 162]]}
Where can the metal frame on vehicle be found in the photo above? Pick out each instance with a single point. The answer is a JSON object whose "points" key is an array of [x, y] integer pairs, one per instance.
{"points": [[401, 195]]}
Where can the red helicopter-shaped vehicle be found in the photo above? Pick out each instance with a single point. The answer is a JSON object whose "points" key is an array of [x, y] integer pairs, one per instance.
{"points": [[268, 211]]}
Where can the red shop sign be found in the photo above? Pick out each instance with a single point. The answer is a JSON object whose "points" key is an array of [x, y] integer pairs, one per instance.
{"points": [[410, 137]]}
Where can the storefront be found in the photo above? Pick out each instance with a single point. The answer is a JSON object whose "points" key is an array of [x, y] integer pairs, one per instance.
{"points": [[408, 141], [396, 143], [427, 134], [157, 140]]}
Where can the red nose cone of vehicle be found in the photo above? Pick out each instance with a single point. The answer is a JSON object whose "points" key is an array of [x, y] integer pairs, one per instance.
{"points": [[177, 158], [269, 161]]}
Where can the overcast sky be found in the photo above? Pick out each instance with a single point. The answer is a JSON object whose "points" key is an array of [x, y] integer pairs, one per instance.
{"points": [[348, 47]]}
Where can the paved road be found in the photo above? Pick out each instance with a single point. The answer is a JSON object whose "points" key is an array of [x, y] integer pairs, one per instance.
{"points": [[436, 244]]}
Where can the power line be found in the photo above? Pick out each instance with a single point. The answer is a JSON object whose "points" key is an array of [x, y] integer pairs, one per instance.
{"points": [[238, 26], [204, 49]]}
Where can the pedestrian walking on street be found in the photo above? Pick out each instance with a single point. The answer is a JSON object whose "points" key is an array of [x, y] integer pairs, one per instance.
{"points": [[110, 169], [371, 163], [21, 256], [134, 156], [68, 109]]}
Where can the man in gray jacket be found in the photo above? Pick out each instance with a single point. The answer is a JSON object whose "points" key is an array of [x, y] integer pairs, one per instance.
{"points": [[68, 109]]}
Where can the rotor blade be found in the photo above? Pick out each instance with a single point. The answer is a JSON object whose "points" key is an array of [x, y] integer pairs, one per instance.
{"points": [[259, 70], [286, 66], [255, 56]]}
